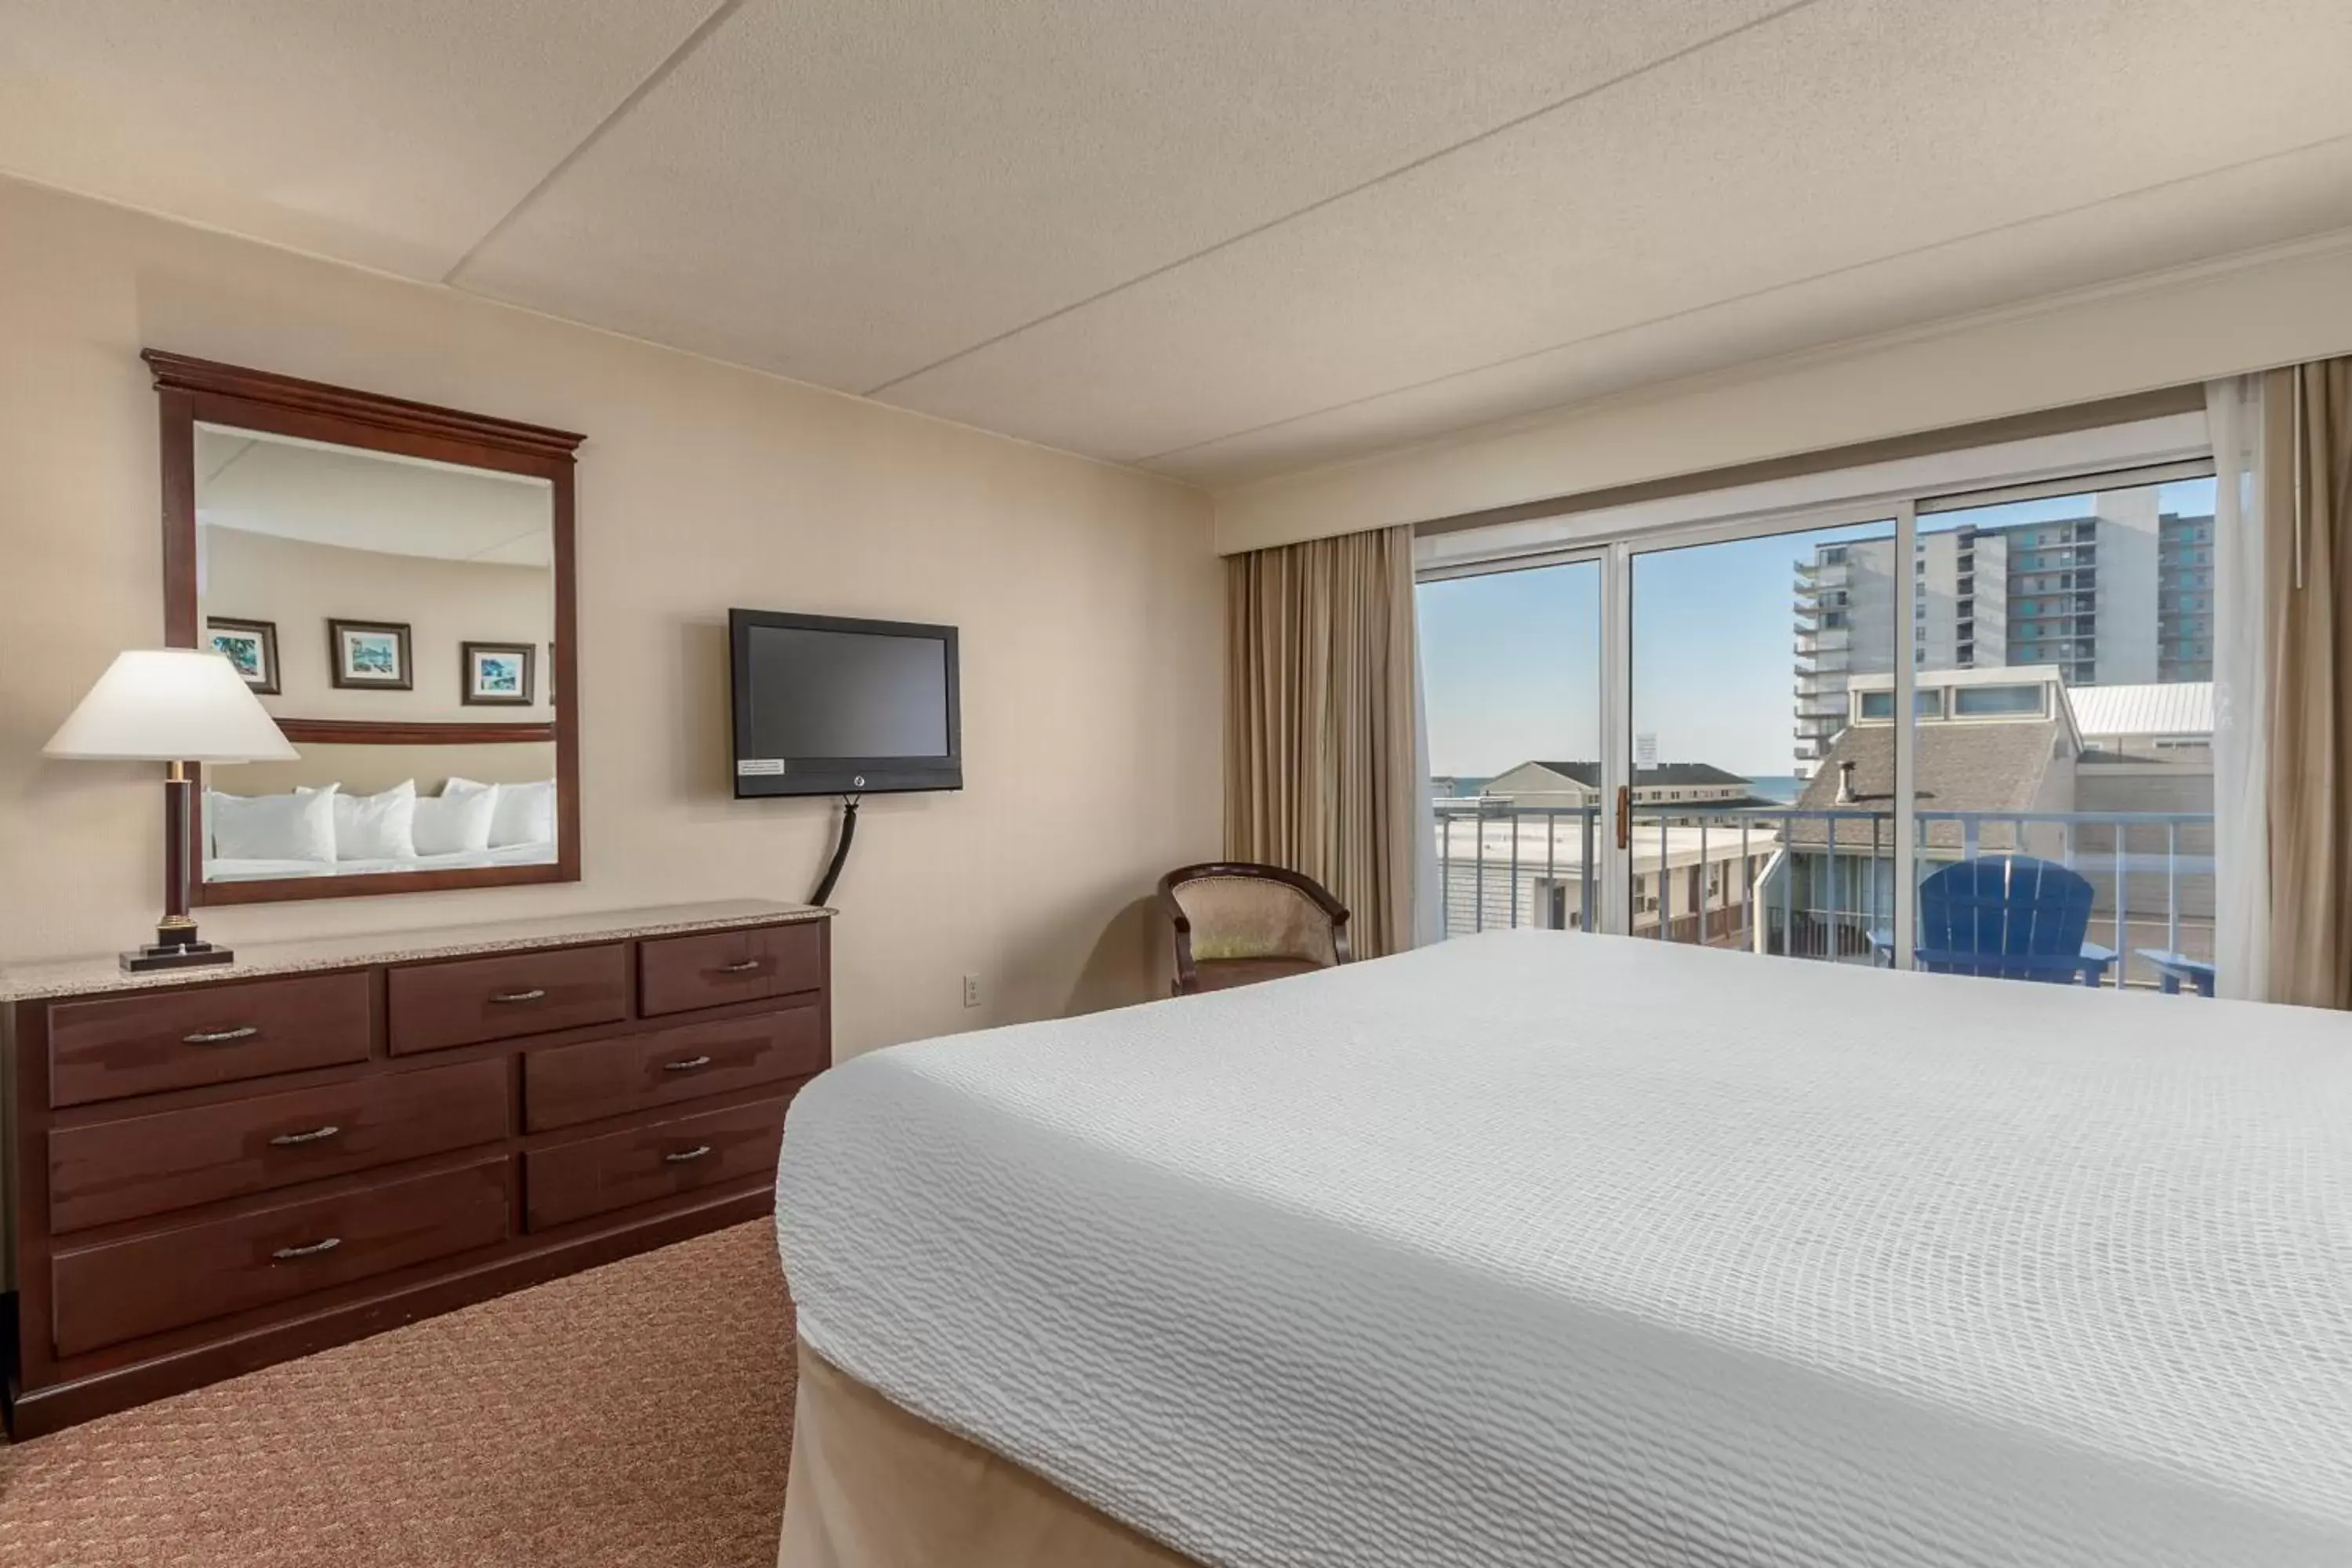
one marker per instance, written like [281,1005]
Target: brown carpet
[640,1413]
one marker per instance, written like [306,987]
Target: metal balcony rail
[1820,884]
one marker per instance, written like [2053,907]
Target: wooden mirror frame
[190,391]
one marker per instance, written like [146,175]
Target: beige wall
[1088,597]
[298,586]
[2293,304]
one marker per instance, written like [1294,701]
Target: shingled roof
[1958,767]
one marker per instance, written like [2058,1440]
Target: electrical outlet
[971,990]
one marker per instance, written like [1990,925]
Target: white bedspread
[1556,1249]
[218,870]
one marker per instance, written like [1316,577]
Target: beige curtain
[1319,722]
[2307,543]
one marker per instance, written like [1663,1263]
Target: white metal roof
[2170,707]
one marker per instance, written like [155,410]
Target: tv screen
[828,706]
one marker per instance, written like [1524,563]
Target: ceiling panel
[2272,200]
[381,502]
[1224,238]
[1848,132]
[846,193]
[391,134]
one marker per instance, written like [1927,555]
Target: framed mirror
[395,581]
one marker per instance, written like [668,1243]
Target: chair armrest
[1187,972]
[2176,967]
[1315,890]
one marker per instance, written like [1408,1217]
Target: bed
[1545,1249]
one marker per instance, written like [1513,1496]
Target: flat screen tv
[828,706]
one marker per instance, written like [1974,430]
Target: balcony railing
[1820,884]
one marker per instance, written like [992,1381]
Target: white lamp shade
[170,705]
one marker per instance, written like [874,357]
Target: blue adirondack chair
[2010,917]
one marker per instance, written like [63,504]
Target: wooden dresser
[216,1170]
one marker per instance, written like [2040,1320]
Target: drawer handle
[741,966]
[288,1140]
[219,1037]
[533,994]
[313,1249]
[683,1155]
[687,1065]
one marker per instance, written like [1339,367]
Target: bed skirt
[875,1487]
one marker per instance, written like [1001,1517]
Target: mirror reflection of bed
[347,809]
[396,615]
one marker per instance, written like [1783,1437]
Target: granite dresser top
[62,977]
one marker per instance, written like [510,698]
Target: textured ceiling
[394,133]
[371,500]
[1223,238]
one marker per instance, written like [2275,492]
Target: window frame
[2167,449]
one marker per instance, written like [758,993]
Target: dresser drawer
[675,973]
[151,1164]
[565,1085]
[435,1006]
[572,1181]
[212,1034]
[123,1289]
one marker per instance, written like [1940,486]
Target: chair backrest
[1235,915]
[2009,916]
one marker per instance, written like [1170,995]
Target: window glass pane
[1971,701]
[1717,677]
[1880,705]
[2085,669]
[1511,682]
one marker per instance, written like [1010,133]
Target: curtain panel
[1319,722]
[2307,545]
[2241,713]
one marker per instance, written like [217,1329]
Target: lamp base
[185,955]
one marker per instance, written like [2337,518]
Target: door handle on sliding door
[1624,816]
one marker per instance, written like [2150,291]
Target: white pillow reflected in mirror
[458,820]
[525,814]
[298,826]
[375,826]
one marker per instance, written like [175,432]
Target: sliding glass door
[1742,827]
[1964,730]
[1513,690]
[2064,715]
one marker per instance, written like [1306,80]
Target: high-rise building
[2124,596]
[2184,598]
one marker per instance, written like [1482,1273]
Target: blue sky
[1512,660]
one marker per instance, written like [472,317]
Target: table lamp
[177,706]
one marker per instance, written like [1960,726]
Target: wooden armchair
[1237,923]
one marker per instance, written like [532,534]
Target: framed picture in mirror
[370,653]
[427,759]
[250,645]
[497,674]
